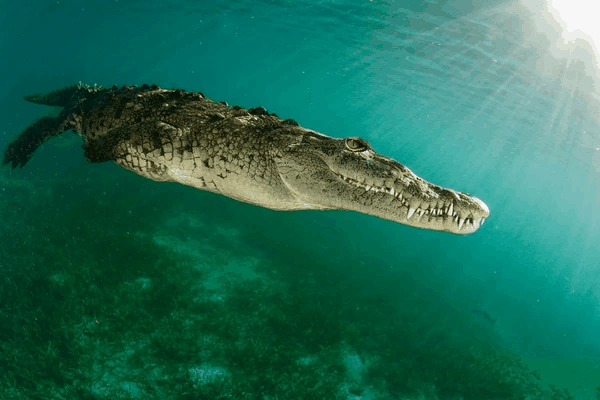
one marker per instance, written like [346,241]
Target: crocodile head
[347,174]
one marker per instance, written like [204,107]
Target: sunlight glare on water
[576,17]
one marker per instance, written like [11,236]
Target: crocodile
[249,155]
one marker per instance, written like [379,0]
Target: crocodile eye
[356,144]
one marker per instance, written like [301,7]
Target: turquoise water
[114,285]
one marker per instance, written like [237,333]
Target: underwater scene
[444,246]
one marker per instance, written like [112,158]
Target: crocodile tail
[64,97]
[21,149]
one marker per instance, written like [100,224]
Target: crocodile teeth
[460,223]
[392,191]
[477,224]
[450,209]
[411,211]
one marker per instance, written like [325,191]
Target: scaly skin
[248,155]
